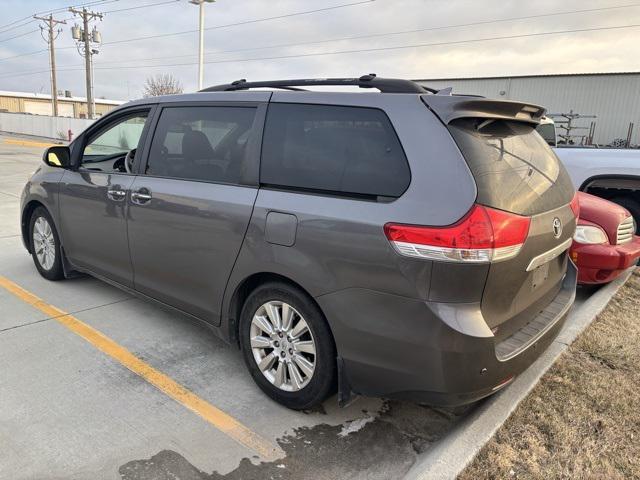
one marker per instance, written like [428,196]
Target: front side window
[201,143]
[343,150]
[107,149]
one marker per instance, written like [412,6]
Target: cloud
[612,50]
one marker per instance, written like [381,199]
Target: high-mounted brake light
[575,205]
[483,235]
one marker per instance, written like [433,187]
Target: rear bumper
[433,353]
[603,263]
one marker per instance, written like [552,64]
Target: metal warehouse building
[613,97]
[40,104]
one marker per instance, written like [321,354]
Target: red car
[604,244]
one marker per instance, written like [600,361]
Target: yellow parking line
[28,143]
[219,419]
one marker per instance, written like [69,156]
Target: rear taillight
[575,205]
[483,235]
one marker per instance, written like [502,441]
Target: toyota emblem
[557,227]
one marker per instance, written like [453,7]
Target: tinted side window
[115,140]
[338,149]
[201,143]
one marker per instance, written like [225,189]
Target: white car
[610,173]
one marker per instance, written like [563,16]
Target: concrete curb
[448,457]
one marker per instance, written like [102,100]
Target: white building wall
[614,98]
[42,126]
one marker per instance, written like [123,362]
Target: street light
[201,51]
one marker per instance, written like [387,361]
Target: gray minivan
[403,243]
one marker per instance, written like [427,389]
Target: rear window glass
[344,150]
[514,168]
[548,132]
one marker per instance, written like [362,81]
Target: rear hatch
[515,171]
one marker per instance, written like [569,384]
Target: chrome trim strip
[625,231]
[549,255]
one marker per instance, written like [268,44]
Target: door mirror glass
[57,156]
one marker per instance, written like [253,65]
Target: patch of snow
[354,425]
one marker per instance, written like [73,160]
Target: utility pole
[50,25]
[84,38]
[201,3]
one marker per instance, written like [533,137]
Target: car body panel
[400,347]
[184,241]
[602,263]
[511,293]
[41,188]
[587,164]
[93,226]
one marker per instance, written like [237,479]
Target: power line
[18,36]
[22,55]
[3,30]
[363,50]
[421,45]
[141,6]
[383,34]
[246,22]
[57,10]
[69,18]
[357,37]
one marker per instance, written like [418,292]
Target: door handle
[116,193]
[141,196]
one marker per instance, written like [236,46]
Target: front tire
[287,346]
[45,245]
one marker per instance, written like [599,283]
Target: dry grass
[583,419]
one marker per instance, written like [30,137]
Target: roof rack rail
[385,85]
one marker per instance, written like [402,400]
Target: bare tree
[162,84]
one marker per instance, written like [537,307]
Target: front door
[93,197]
[189,210]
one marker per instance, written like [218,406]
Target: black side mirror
[57,156]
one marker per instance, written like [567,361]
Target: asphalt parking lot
[95,383]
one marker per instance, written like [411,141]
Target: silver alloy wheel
[283,346]
[44,243]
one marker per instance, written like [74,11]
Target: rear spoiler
[451,107]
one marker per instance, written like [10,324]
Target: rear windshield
[514,168]
[548,132]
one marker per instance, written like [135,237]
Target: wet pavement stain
[381,447]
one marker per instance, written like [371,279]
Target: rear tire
[633,206]
[287,346]
[45,245]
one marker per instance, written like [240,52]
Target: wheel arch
[25,217]
[612,181]
[244,289]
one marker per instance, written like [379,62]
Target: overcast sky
[592,51]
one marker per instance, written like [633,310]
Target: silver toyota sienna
[403,243]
